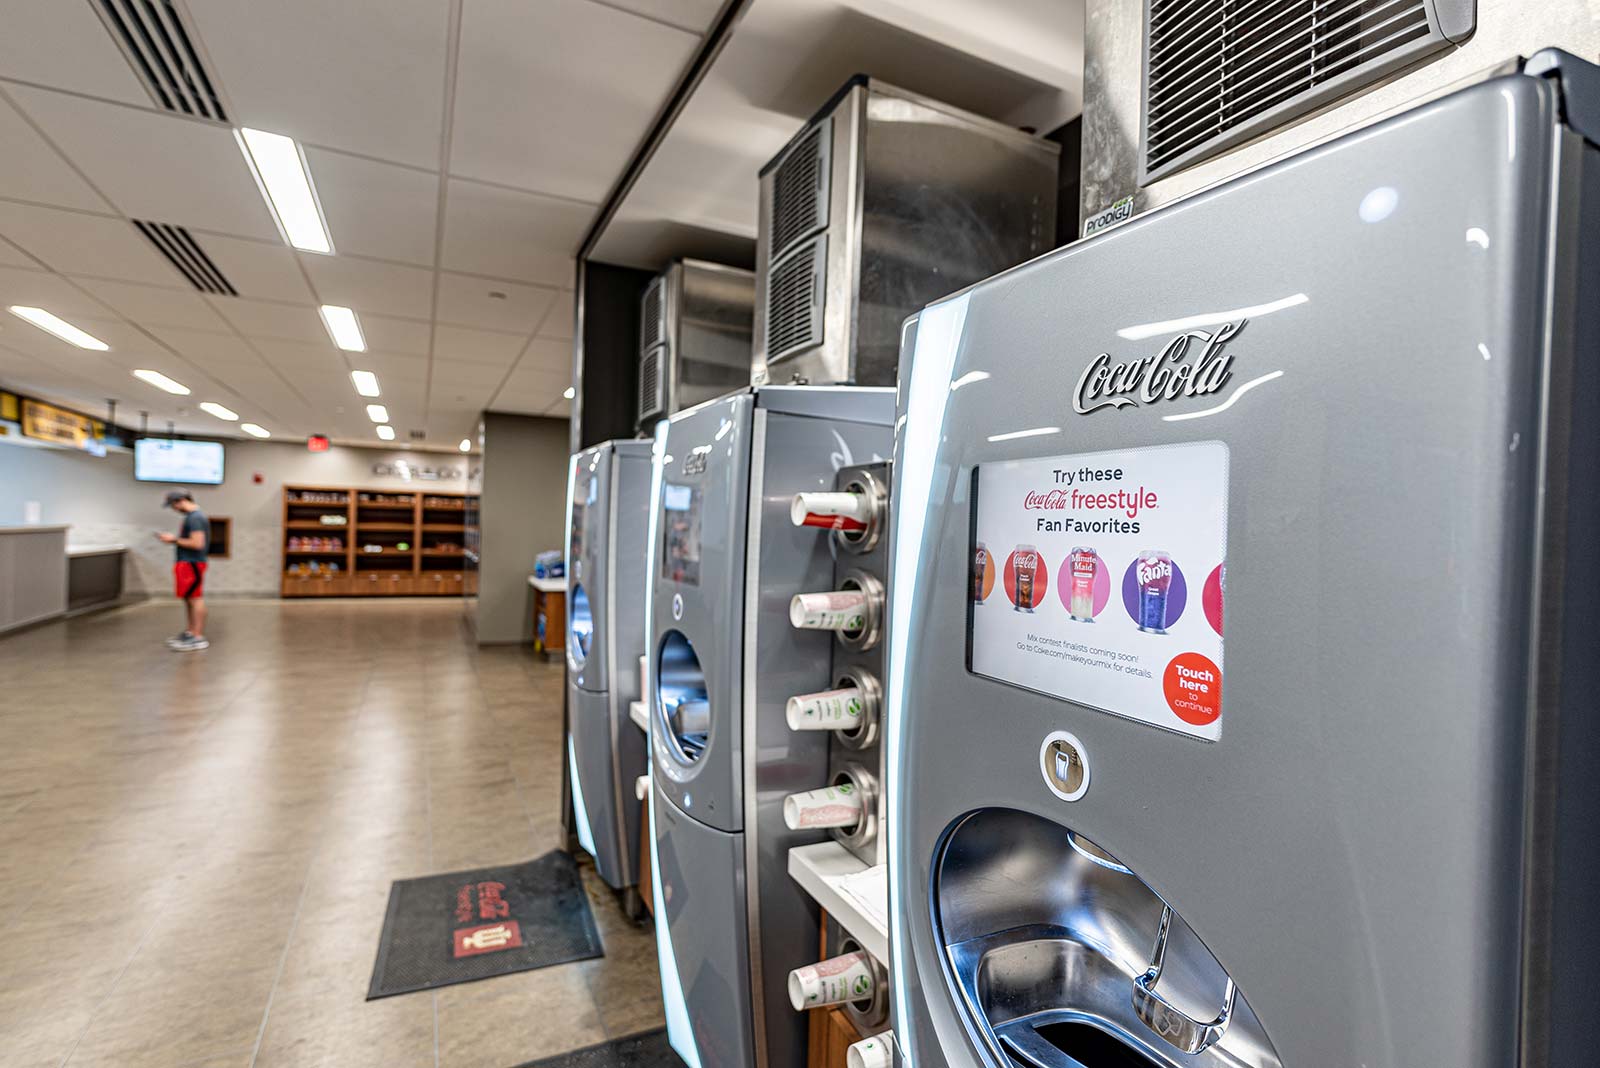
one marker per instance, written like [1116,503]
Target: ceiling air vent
[161,51]
[794,300]
[1218,72]
[184,253]
[799,205]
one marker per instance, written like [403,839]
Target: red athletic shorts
[188,578]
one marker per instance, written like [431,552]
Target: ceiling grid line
[452,59]
[538,328]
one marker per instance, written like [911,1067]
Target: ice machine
[608,509]
[1244,592]
[885,201]
[694,337]
[726,563]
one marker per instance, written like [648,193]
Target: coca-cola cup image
[982,573]
[1211,595]
[832,982]
[831,806]
[1154,591]
[1026,578]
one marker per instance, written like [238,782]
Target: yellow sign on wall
[10,409]
[49,423]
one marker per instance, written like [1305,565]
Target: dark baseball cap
[174,496]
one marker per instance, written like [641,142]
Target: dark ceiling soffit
[710,47]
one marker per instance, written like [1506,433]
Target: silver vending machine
[1327,419]
[608,508]
[727,561]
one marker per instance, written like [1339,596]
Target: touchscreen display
[1099,578]
[680,533]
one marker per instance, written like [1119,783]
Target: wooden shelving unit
[365,542]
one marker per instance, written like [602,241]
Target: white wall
[100,498]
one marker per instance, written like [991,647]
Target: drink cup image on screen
[1025,565]
[1154,574]
[980,566]
[1081,602]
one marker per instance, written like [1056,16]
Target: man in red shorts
[193,542]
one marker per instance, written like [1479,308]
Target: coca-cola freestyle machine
[727,561]
[1244,601]
[608,503]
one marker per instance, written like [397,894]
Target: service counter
[33,575]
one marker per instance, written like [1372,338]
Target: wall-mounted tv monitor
[165,460]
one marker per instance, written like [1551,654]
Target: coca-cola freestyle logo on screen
[1190,365]
[1090,490]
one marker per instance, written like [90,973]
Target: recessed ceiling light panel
[377,413]
[285,180]
[344,328]
[213,408]
[386,433]
[254,431]
[161,381]
[62,329]
[366,383]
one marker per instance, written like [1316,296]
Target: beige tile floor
[196,849]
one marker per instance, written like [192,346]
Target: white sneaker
[178,639]
[191,643]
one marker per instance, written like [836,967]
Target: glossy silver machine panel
[1363,378]
[694,337]
[885,201]
[726,561]
[608,510]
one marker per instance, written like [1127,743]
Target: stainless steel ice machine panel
[1333,419]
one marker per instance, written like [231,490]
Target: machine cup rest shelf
[833,876]
[639,713]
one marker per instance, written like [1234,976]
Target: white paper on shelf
[869,890]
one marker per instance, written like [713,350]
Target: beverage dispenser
[1240,661]
[726,564]
[608,501]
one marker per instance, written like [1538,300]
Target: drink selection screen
[680,533]
[1099,578]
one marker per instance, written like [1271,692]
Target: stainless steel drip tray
[1063,957]
[1019,980]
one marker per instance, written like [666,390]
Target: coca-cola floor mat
[466,925]
[647,1050]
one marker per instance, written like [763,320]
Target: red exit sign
[317,443]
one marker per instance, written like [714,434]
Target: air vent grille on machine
[794,300]
[1218,72]
[799,205]
[184,253]
[163,56]
[653,326]
[651,402]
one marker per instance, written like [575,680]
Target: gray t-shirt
[195,520]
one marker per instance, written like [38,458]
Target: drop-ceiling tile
[206,348]
[376,209]
[32,170]
[598,75]
[548,356]
[511,234]
[392,368]
[41,289]
[462,376]
[459,344]
[557,325]
[154,165]
[469,301]
[12,256]
[65,45]
[362,75]
[319,356]
[261,319]
[262,270]
[693,16]
[74,243]
[156,305]
[387,334]
[368,286]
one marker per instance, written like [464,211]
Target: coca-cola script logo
[1190,365]
[1047,501]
